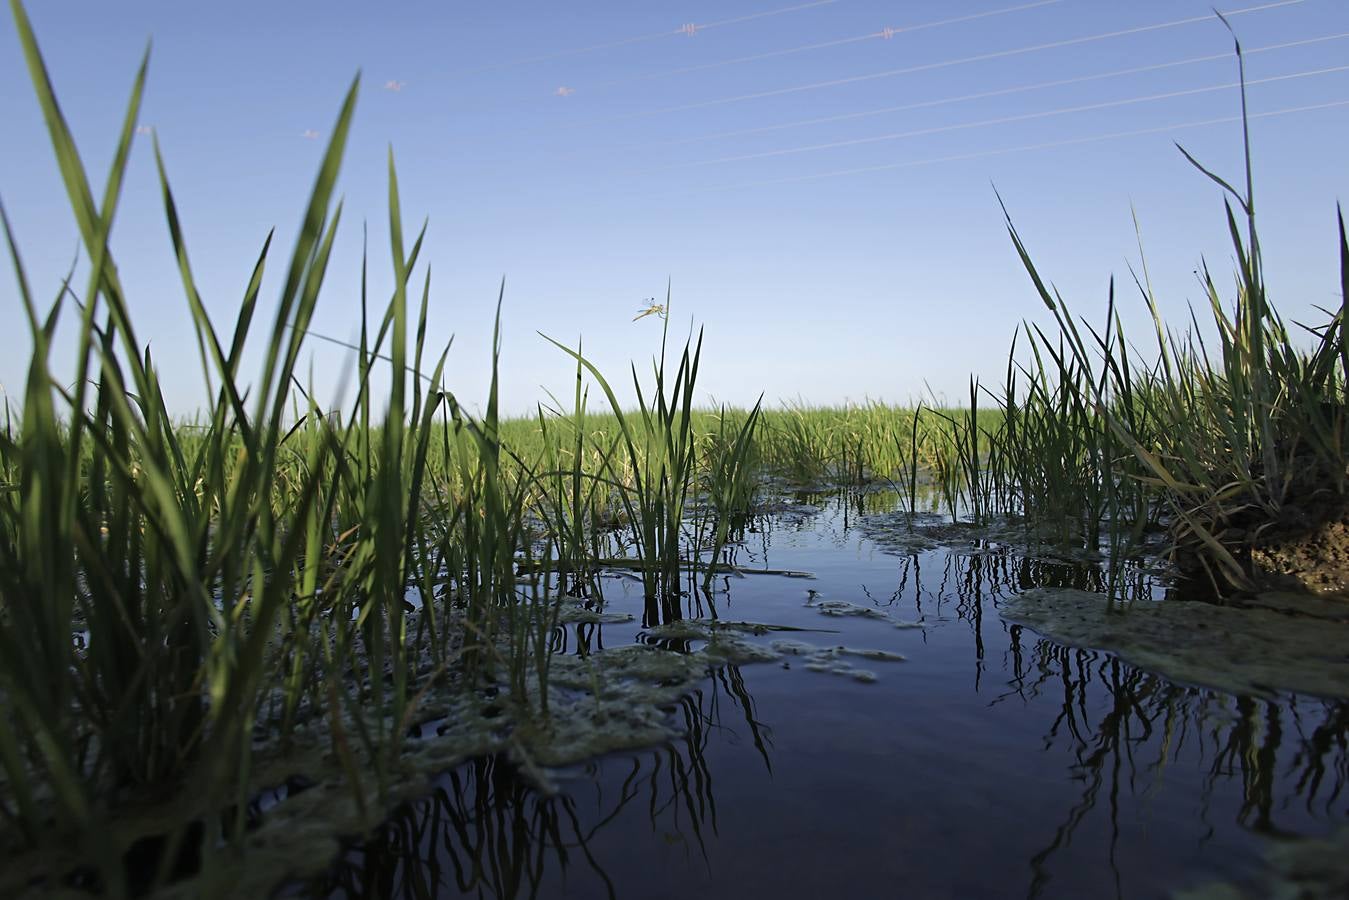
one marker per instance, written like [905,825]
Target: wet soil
[1314,558]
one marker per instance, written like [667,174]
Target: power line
[1001,120]
[759,15]
[688,29]
[1024,148]
[884,34]
[942,64]
[984,95]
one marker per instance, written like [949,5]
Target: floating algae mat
[952,715]
[1280,643]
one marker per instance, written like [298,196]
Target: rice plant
[168,592]
[660,457]
[572,495]
[733,475]
[174,556]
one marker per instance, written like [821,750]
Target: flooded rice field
[900,738]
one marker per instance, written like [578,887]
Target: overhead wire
[940,64]
[684,30]
[1002,120]
[349,345]
[1002,151]
[885,33]
[961,98]
[984,95]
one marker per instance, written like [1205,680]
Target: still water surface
[990,763]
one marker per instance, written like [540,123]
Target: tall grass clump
[170,594]
[733,474]
[1239,444]
[174,557]
[655,469]
[574,489]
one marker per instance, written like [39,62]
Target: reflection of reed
[487,832]
[1332,732]
[483,831]
[1125,727]
[1149,724]
[589,638]
[1120,731]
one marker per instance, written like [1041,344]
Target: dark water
[991,763]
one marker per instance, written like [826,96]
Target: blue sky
[818,191]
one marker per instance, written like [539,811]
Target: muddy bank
[1313,558]
[1280,646]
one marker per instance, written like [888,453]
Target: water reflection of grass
[1124,728]
[485,831]
[1124,738]
[1150,725]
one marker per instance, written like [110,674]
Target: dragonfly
[654,309]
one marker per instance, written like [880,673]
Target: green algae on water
[829,660]
[842,609]
[1258,651]
[615,700]
[578,615]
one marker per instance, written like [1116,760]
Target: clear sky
[815,180]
